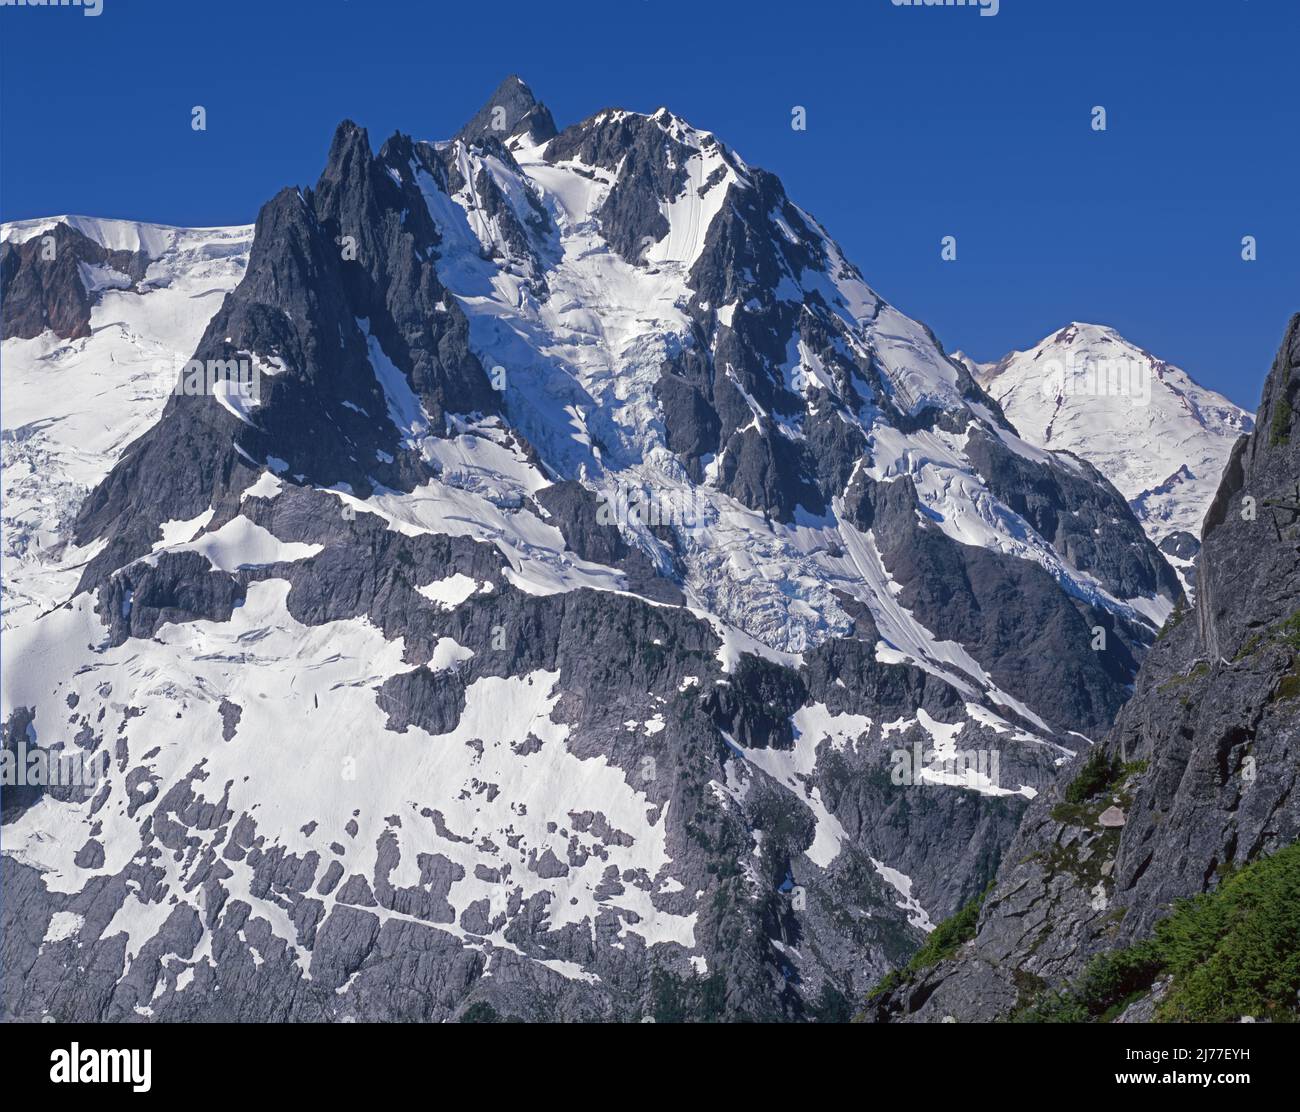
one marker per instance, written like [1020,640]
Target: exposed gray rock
[1205,758]
[42,285]
[509,112]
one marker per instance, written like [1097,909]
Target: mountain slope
[127,303]
[543,633]
[1153,432]
[1196,781]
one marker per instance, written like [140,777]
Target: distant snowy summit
[1159,437]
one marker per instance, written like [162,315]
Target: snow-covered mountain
[543,634]
[1153,432]
[71,403]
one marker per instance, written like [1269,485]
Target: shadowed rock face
[43,284]
[1209,748]
[651,167]
[510,112]
[765,863]
[336,278]
[1180,544]
[987,601]
[1183,546]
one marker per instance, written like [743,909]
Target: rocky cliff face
[602,605]
[1197,777]
[51,279]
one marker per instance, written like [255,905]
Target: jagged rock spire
[509,112]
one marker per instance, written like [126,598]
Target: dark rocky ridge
[519,113]
[361,247]
[982,599]
[1181,545]
[41,283]
[987,601]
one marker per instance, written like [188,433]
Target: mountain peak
[349,152]
[561,458]
[1091,326]
[979,371]
[1087,389]
[1085,332]
[511,111]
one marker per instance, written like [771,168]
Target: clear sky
[921,123]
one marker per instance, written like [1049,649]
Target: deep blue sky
[921,123]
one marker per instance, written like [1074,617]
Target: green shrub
[1229,953]
[1181,610]
[1289,685]
[1099,772]
[1236,951]
[1054,1007]
[1280,432]
[480,1012]
[944,941]
[1112,980]
[1200,670]
[1288,632]
[692,999]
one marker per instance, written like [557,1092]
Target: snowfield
[69,408]
[1164,441]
